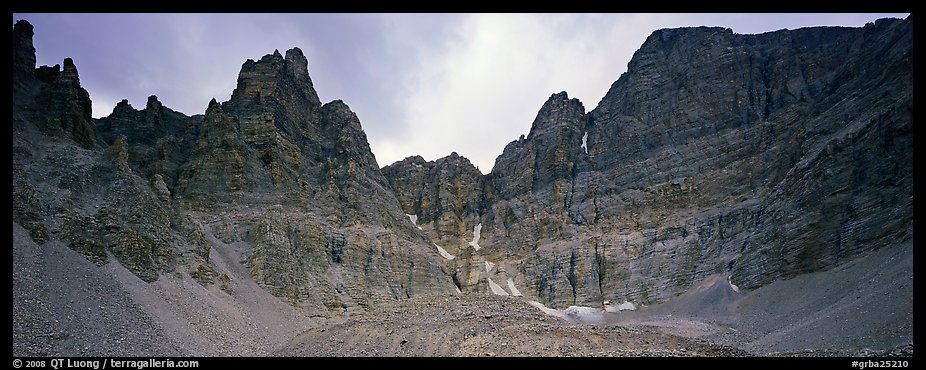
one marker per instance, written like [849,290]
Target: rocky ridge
[758,156]
[273,168]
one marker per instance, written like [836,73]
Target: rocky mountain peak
[212,103]
[22,40]
[297,62]
[61,107]
[153,103]
[457,161]
[273,77]
[550,153]
[704,119]
[445,195]
[23,54]
[559,111]
[734,160]
[413,160]
[346,118]
[69,73]
[123,104]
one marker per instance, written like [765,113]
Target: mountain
[718,177]
[760,157]
[273,168]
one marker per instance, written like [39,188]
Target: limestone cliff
[759,156]
[274,171]
[72,185]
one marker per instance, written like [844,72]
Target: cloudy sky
[426,84]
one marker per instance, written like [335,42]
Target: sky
[421,84]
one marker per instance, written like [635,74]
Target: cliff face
[296,181]
[752,154]
[51,97]
[72,185]
[758,156]
[273,174]
[23,56]
[445,195]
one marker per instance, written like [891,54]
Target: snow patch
[497,289]
[443,252]
[547,310]
[477,230]
[514,291]
[585,142]
[732,286]
[588,315]
[489,266]
[414,219]
[584,314]
[626,306]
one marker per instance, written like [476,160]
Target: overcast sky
[426,84]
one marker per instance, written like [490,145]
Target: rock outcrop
[23,56]
[342,243]
[51,97]
[758,156]
[445,195]
[67,187]
[273,169]
[144,126]
[161,138]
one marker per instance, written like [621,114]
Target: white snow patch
[489,266]
[514,291]
[588,315]
[732,286]
[585,142]
[443,252]
[547,310]
[497,289]
[608,307]
[477,230]
[414,219]
[584,314]
[626,306]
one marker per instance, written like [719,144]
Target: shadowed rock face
[50,97]
[761,156]
[83,189]
[23,56]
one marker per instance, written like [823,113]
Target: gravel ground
[64,305]
[486,325]
[861,308]
[241,320]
